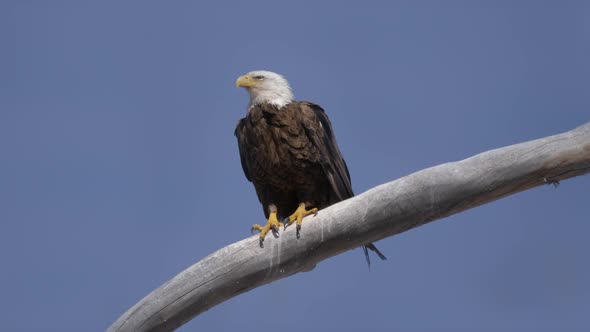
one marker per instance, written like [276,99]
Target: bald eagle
[289,152]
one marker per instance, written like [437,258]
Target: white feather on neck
[276,98]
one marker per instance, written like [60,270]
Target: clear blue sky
[119,168]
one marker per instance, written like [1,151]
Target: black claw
[275,231]
[298,228]
[260,241]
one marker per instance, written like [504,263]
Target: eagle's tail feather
[374,249]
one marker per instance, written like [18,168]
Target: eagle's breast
[282,154]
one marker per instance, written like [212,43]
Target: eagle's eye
[259,77]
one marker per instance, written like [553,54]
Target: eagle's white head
[266,87]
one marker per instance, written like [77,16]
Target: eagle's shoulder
[240,127]
[254,113]
[302,106]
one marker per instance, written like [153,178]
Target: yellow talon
[272,223]
[298,216]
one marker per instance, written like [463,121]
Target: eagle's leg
[272,223]
[298,216]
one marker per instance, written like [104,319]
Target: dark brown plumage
[291,156]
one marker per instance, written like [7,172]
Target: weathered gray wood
[383,211]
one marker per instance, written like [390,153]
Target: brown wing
[243,146]
[319,131]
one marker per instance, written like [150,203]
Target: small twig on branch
[383,211]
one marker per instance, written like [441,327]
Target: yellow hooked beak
[245,82]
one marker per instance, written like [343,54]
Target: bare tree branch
[380,212]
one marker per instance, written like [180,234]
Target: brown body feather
[291,156]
